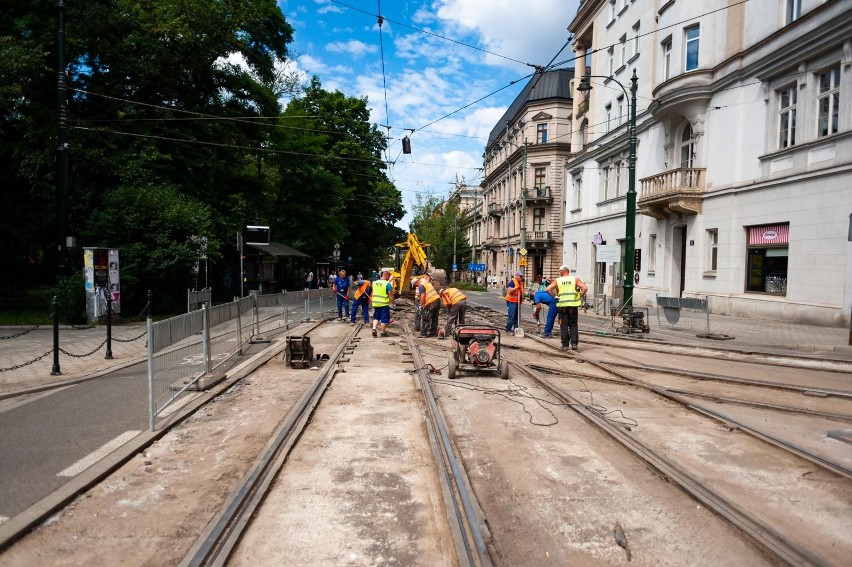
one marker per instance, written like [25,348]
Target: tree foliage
[176,129]
[439,223]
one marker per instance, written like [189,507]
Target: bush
[71,293]
[467,286]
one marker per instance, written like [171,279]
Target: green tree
[439,223]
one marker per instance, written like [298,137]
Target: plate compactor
[476,348]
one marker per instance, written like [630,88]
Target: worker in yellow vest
[382,299]
[456,303]
[569,292]
[429,303]
[418,312]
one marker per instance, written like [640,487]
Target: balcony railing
[583,107]
[493,242]
[539,195]
[539,236]
[678,190]
[494,209]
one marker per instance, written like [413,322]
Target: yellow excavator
[409,254]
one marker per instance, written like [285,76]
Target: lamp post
[630,224]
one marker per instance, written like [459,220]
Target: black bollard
[108,355]
[55,371]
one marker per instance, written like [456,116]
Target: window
[687,147]
[611,54]
[540,178]
[692,41]
[652,253]
[573,253]
[767,258]
[611,10]
[828,102]
[794,10]
[584,126]
[541,133]
[712,249]
[617,181]
[605,183]
[608,109]
[635,39]
[620,101]
[623,47]
[787,118]
[578,184]
[538,219]
[667,59]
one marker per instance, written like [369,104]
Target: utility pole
[508,201]
[524,208]
[62,148]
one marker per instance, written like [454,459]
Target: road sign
[337,246]
[476,267]
[336,254]
[523,251]
[455,267]
[522,261]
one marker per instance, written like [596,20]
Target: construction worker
[430,304]
[514,297]
[456,303]
[418,312]
[361,295]
[382,299]
[544,297]
[340,286]
[569,296]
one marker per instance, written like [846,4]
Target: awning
[277,249]
[769,235]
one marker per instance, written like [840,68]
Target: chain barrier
[97,348]
[21,365]
[145,332]
[30,330]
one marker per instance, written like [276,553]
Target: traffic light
[406,145]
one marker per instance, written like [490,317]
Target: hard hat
[564,267]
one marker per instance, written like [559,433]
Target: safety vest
[568,296]
[513,294]
[451,296]
[361,290]
[380,293]
[429,295]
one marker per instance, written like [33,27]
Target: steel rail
[222,534]
[704,395]
[463,510]
[764,535]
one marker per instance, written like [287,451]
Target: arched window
[584,125]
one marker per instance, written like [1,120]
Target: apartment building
[744,153]
[524,180]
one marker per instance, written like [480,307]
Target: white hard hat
[564,267]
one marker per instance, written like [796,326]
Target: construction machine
[410,254]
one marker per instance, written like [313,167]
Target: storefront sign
[769,235]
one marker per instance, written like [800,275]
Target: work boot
[385,335]
[374,333]
[575,347]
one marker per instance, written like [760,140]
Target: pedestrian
[363,291]
[544,297]
[309,279]
[456,303]
[430,304]
[514,297]
[340,287]
[382,298]
[569,296]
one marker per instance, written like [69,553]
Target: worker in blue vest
[544,297]
[569,292]
[340,286]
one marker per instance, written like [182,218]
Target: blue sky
[426,77]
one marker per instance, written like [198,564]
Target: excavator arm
[415,255]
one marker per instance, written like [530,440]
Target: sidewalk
[18,351]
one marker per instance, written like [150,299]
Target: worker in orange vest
[429,302]
[514,297]
[363,291]
[456,303]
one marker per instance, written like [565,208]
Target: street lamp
[630,225]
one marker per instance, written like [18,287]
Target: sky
[424,69]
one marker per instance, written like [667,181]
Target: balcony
[539,237]
[583,107]
[539,196]
[493,242]
[494,209]
[679,191]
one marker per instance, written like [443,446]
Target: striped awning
[769,235]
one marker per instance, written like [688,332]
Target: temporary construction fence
[184,349]
[692,313]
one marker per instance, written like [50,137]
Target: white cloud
[325,7]
[353,47]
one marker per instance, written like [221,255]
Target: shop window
[767,259]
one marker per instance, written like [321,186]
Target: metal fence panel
[684,313]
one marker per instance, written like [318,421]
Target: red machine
[477,348]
